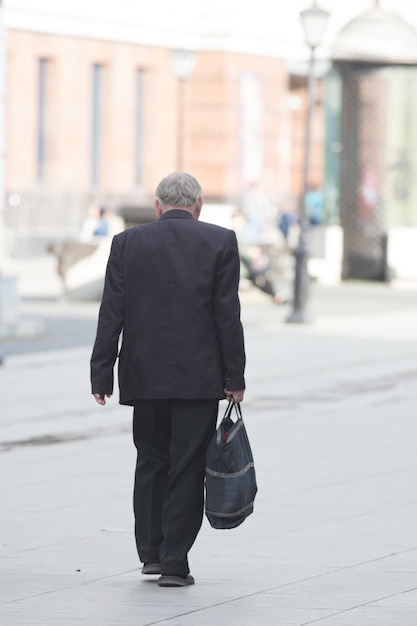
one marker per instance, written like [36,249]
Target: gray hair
[178,190]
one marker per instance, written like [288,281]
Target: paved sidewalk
[331,413]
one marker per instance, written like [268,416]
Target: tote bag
[230,473]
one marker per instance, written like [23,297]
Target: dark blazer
[171,289]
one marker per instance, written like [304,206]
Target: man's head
[179,191]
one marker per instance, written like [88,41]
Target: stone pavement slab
[330,411]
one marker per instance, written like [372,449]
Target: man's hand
[100,399]
[236,395]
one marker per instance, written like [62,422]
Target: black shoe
[167,580]
[151,568]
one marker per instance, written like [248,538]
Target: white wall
[402,252]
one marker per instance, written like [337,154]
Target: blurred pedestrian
[96,223]
[287,219]
[255,265]
[171,289]
[102,226]
[314,203]
[90,223]
[259,272]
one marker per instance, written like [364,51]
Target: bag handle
[229,410]
[238,410]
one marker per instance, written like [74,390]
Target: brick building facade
[90,119]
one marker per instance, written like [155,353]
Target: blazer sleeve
[110,324]
[227,315]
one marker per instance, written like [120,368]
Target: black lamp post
[182,63]
[314,22]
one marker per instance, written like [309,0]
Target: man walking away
[171,290]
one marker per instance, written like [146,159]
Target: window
[97,80]
[43,79]
[139,126]
[252,118]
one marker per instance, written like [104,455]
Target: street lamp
[182,64]
[314,21]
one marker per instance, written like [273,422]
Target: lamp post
[182,64]
[314,21]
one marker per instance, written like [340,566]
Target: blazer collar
[176,213]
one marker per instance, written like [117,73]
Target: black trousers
[171,438]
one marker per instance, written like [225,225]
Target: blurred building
[92,116]
[371,179]
[98,119]
[92,108]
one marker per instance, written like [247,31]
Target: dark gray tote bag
[230,473]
